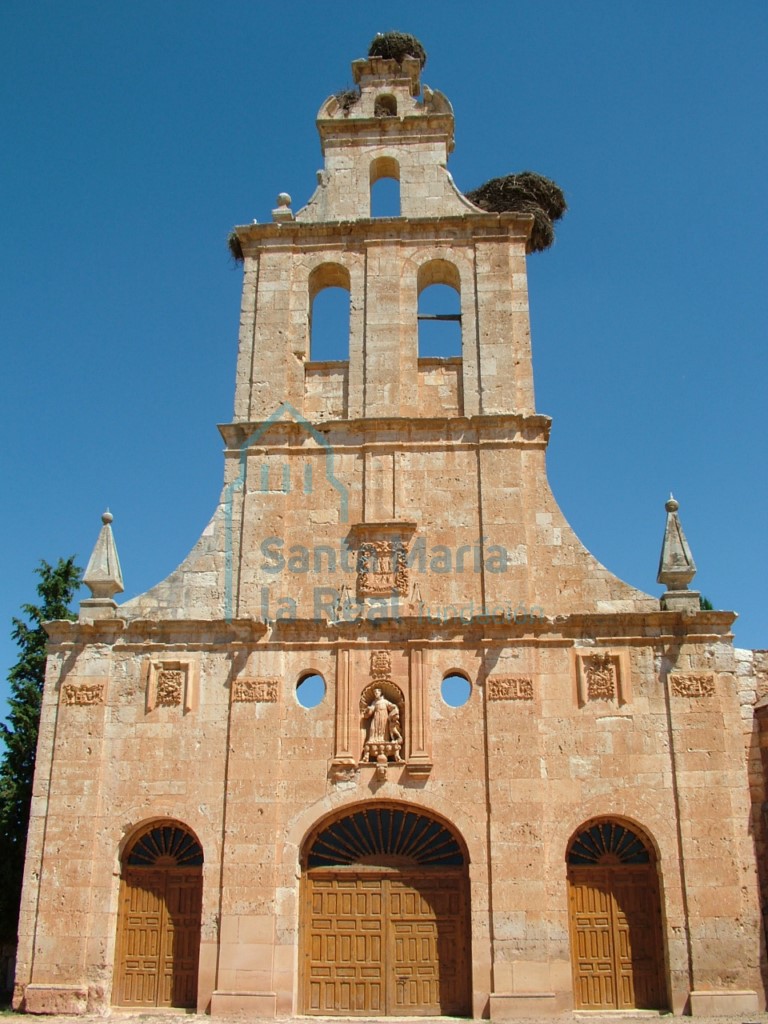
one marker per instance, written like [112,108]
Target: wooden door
[158,941]
[616,938]
[391,944]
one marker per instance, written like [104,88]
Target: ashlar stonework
[585,831]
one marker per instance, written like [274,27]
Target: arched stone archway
[617,949]
[158,925]
[385,915]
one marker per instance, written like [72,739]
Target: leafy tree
[57,586]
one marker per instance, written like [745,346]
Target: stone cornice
[454,230]
[513,429]
[208,633]
[651,628]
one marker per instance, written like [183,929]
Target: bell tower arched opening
[385,187]
[385,915]
[329,313]
[439,312]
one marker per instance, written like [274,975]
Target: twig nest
[235,248]
[526,192]
[397,46]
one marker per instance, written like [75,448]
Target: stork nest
[235,248]
[397,46]
[526,192]
[347,98]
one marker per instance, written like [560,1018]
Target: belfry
[390,741]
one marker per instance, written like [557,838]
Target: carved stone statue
[384,740]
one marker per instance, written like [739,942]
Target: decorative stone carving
[82,693]
[381,665]
[381,708]
[255,691]
[691,685]
[510,688]
[170,684]
[602,675]
[382,569]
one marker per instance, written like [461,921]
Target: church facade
[391,741]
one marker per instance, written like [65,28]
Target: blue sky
[136,135]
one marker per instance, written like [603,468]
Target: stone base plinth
[242,1004]
[65,999]
[737,1002]
[509,1005]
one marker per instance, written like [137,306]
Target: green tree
[57,586]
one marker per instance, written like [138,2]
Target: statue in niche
[381,707]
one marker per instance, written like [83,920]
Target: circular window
[456,690]
[310,690]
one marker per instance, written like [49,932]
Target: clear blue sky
[135,135]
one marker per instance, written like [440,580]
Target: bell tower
[390,126]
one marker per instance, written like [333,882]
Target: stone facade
[385,523]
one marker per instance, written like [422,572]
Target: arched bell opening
[385,915]
[617,946]
[159,916]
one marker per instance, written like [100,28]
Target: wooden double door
[616,937]
[390,943]
[158,939]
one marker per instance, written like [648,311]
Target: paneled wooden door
[385,943]
[158,939]
[616,937]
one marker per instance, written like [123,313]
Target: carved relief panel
[171,684]
[701,684]
[83,694]
[602,675]
[510,688]
[255,691]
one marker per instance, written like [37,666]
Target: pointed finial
[676,565]
[103,575]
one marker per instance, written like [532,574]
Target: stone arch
[615,920]
[384,167]
[385,913]
[438,271]
[157,947]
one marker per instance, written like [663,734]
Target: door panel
[158,941]
[410,950]
[616,938]
[345,971]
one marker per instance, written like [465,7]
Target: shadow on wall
[7,971]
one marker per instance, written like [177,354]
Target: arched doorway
[158,924]
[385,916]
[617,947]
